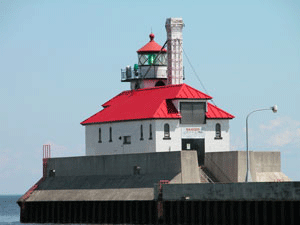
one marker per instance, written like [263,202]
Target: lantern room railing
[129,74]
[156,72]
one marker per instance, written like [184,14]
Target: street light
[248,173]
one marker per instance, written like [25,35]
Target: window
[192,112]
[127,140]
[142,134]
[218,131]
[152,59]
[150,132]
[166,132]
[110,134]
[100,138]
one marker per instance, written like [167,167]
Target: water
[9,209]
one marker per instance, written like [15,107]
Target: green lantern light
[136,66]
[151,58]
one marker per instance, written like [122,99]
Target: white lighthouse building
[160,113]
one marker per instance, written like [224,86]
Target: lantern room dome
[151,36]
[151,46]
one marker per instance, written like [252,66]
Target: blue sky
[60,60]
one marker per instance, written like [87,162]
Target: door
[197,145]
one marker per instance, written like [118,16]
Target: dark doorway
[159,83]
[195,144]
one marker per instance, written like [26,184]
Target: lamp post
[248,174]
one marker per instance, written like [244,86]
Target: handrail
[219,168]
[205,176]
[132,76]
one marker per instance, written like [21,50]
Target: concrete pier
[128,189]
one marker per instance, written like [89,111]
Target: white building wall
[217,145]
[154,71]
[165,145]
[119,129]
[150,83]
[208,132]
[146,83]
[158,143]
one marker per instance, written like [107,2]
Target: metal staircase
[206,176]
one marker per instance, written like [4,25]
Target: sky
[60,60]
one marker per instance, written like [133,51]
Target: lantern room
[152,54]
[151,69]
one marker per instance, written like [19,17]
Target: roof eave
[222,118]
[190,99]
[152,51]
[115,121]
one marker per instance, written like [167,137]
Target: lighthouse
[159,113]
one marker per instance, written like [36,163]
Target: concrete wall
[259,162]
[231,166]
[285,191]
[189,167]
[112,177]
[223,165]
[177,166]
[110,165]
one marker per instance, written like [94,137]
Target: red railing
[160,207]
[46,151]
[29,192]
[160,183]
[46,156]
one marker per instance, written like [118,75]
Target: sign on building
[192,132]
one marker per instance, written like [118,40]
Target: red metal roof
[150,103]
[213,112]
[151,46]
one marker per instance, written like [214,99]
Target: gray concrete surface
[271,177]
[259,191]
[119,194]
[103,182]
[162,164]
[189,167]
[231,166]
[223,165]
[261,162]
[116,164]
[114,176]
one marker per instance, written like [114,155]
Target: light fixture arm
[248,173]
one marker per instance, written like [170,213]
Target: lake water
[9,209]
